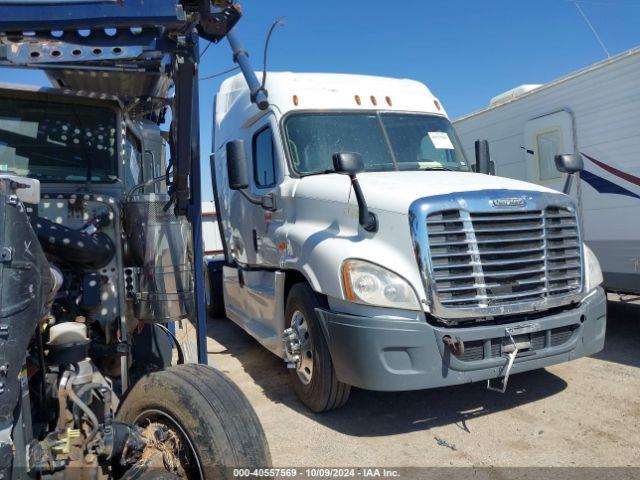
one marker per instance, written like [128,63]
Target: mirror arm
[254,201]
[567,184]
[250,198]
[148,183]
[366,218]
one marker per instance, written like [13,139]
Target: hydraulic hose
[62,402]
[84,407]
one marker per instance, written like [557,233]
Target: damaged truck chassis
[101,248]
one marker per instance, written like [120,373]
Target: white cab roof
[321,91]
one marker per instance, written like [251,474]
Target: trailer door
[545,137]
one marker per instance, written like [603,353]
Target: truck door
[251,221]
[545,137]
[251,286]
[266,175]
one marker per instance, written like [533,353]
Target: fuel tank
[160,285]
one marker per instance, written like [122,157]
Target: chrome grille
[496,258]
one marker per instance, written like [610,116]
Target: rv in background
[594,112]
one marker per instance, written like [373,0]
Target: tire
[320,391]
[219,426]
[215,306]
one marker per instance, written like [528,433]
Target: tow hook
[455,345]
[511,356]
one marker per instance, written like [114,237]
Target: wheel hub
[298,349]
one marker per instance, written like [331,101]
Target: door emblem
[509,202]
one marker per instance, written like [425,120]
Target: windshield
[57,142]
[386,141]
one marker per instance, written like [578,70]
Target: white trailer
[594,112]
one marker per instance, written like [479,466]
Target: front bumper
[393,355]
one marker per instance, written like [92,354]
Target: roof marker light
[437,104]
[357,97]
[389,102]
[295,100]
[374,101]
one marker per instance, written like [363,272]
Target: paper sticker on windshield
[441,140]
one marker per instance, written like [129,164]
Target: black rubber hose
[74,246]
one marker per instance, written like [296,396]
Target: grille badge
[509,202]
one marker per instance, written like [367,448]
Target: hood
[396,191]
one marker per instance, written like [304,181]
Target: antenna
[595,33]
[277,23]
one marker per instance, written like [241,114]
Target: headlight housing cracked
[370,284]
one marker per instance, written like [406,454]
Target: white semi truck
[360,248]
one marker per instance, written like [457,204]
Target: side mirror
[350,163]
[237,168]
[569,163]
[483,157]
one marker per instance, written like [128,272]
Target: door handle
[255,239]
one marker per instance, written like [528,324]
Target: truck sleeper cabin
[361,248]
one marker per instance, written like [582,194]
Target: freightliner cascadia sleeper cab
[361,248]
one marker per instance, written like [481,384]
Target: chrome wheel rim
[304,368]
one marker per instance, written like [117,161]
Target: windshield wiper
[322,172]
[445,169]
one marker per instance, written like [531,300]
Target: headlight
[593,272]
[367,283]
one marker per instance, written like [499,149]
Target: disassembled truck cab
[98,234]
[394,267]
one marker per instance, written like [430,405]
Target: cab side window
[264,159]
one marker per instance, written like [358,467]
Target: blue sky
[466,51]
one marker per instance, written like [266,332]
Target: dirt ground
[582,413]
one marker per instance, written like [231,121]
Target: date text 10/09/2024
[320,473]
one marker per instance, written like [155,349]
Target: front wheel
[200,425]
[314,378]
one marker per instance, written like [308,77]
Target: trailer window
[548,144]
[56,142]
[264,161]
